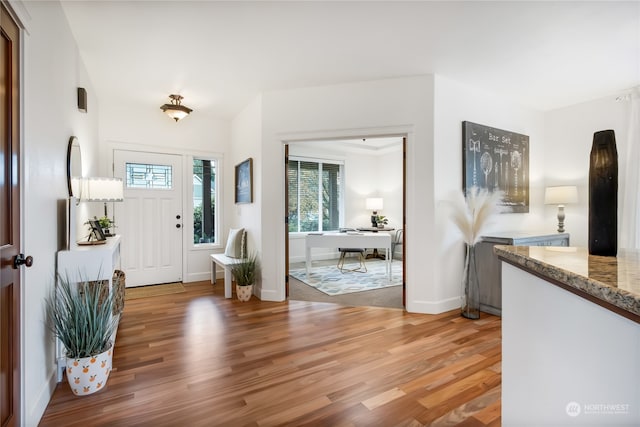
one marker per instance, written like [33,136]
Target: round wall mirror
[74,166]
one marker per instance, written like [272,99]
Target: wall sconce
[375,204]
[175,109]
[560,196]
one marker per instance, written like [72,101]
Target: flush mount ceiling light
[176,110]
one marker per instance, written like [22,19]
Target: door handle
[20,259]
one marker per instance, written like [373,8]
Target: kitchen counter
[570,337]
[611,282]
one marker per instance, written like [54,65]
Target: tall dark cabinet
[489,267]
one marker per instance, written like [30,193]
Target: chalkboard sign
[497,160]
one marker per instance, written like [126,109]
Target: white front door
[150,218]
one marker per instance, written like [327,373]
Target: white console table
[95,262]
[349,240]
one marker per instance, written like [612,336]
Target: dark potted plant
[80,316]
[245,272]
[381,221]
[106,223]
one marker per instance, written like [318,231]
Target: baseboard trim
[197,277]
[267,295]
[433,307]
[35,413]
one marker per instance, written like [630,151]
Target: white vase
[244,292]
[87,375]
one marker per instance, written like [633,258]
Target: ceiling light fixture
[176,110]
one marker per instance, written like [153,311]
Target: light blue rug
[331,281]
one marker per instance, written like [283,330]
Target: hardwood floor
[197,359]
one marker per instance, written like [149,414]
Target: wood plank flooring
[198,359]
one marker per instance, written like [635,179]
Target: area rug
[331,281]
[153,290]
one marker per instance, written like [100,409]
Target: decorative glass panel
[204,201]
[157,177]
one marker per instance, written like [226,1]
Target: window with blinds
[315,195]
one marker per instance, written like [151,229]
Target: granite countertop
[613,282]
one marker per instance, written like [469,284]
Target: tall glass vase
[470,286]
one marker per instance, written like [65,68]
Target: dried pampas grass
[472,215]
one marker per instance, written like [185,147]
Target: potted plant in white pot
[245,272]
[80,315]
[106,224]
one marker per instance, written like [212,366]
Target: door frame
[16,124]
[404,134]
[177,192]
[187,210]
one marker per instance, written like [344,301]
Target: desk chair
[362,267]
[398,239]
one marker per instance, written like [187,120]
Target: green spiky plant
[80,315]
[381,219]
[245,271]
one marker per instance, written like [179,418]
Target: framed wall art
[244,181]
[497,160]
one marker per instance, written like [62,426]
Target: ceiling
[219,55]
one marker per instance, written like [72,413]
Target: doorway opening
[339,193]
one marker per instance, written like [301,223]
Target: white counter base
[559,349]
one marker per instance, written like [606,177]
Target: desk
[375,253]
[349,240]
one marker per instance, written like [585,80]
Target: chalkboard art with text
[497,160]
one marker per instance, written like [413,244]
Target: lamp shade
[374,203]
[99,189]
[561,195]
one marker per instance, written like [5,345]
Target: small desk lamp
[375,204]
[560,196]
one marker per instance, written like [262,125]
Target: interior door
[9,222]
[150,218]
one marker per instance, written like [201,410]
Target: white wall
[144,127]
[567,144]
[393,106]
[245,143]
[455,103]
[51,74]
